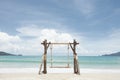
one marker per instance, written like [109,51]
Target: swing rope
[68,57]
[51,56]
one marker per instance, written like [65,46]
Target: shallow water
[112,62]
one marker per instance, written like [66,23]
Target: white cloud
[106,45]
[8,38]
[55,36]
[19,43]
[50,34]
[8,42]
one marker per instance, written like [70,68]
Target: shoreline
[57,70]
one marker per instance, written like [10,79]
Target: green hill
[113,54]
[6,54]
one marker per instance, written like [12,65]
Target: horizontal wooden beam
[60,43]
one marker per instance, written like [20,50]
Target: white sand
[58,74]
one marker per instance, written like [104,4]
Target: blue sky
[94,23]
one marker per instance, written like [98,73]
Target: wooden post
[76,65]
[74,52]
[46,45]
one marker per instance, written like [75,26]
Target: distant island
[8,54]
[113,54]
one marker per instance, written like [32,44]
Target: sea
[92,62]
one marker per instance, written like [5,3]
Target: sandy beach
[60,76]
[31,74]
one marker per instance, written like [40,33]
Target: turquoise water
[111,62]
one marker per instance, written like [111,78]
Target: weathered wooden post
[74,53]
[76,65]
[46,45]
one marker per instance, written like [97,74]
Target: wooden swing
[68,57]
[44,60]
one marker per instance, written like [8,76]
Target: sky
[95,24]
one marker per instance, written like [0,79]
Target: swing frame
[73,47]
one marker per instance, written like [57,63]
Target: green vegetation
[8,54]
[113,54]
